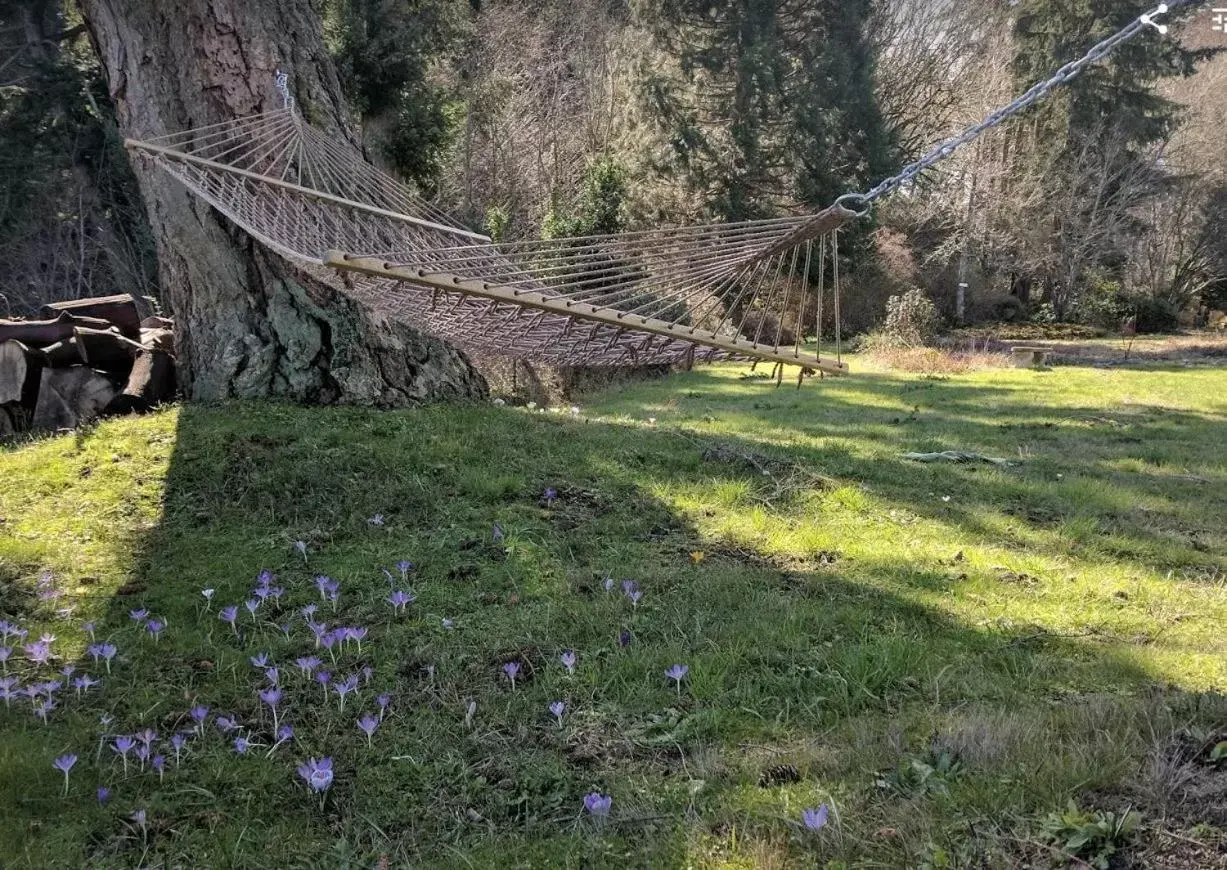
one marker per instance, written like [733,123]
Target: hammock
[696,293]
[705,292]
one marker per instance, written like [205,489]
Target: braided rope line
[1033,95]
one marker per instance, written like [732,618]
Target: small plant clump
[1091,837]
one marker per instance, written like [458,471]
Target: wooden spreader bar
[578,310]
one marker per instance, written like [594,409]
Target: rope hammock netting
[684,294]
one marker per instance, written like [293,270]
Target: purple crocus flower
[284,733]
[318,774]
[64,764]
[253,604]
[84,683]
[155,627]
[138,615]
[356,634]
[384,701]
[147,736]
[550,496]
[108,651]
[307,664]
[677,673]
[123,745]
[344,688]
[177,742]
[272,697]
[7,690]
[323,584]
[404,566]
[241,745]
[142,755]
[629,586]
[199,714]
[208,596]
[6,653]
[273,675]
[558,708]
[259,661]
[88,628]
[230,615]
[301,547]
[308,611]
[512,669]
[448,624]
[815,819]
[322,677]
[225,724]
[569,659]
[38,652]
[368,725]
[625,638]
[609,583]
[635,596]
[265,577]
[376,520]
[104,794]
[43,710]
[48,689]
[68,670]
[158,763]
[399,600]
[598,804]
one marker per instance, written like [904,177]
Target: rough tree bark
[249,325]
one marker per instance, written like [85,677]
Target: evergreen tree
[765,103]
[384,51]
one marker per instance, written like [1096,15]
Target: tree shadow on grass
[1071,462]
[784,651]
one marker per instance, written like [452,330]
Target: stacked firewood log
[83,359]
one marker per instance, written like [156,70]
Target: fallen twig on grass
[956,456]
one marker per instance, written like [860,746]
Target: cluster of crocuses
[152,625]
[261,594]
[45,682]
[49,593]
[144,752]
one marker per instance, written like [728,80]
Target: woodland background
[550,118]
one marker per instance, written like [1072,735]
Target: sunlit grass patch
[917,646]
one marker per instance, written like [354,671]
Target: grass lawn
[945,655]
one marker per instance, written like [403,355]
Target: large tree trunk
[250,325]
